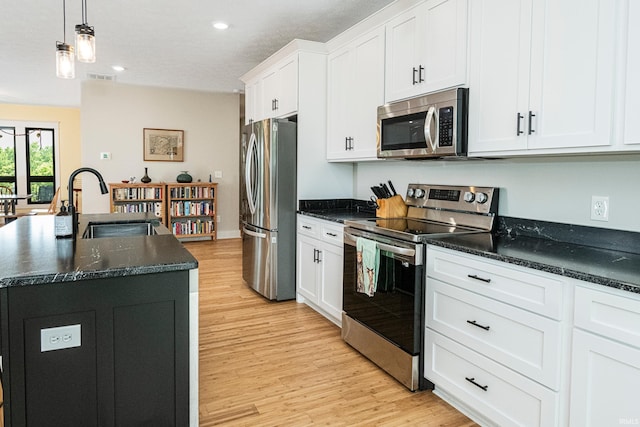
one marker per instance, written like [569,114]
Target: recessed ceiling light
[220,25]
[118,68]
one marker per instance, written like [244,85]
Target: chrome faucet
[72,209]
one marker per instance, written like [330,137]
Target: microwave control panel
[445,131]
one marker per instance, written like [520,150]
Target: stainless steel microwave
[428,126]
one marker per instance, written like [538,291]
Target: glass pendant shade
[85,43]
[65,61]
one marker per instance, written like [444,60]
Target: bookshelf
[139,197]
[191,209]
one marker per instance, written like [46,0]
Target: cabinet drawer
[610,314]
[499,394]
[518,286]
[523,341]
[309,227]
[333,234]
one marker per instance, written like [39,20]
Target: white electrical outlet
[60,337]
[105,156]
[218,218]
[600,208]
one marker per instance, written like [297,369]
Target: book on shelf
[193,227]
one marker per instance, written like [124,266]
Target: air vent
[105,77]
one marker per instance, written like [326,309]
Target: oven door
[394,310]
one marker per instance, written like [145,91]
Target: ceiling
[163,43]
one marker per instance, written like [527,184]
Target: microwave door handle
[431,115]
[248,181]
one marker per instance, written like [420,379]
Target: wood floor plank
[268,363]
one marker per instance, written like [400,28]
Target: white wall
[548,188]
[113,117]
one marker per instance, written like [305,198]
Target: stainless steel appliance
[388,326]
[268,195]
[429,126]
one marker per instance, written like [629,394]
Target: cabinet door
[443,49]
[368,94]
[604,382]
[331,281]
[252,102]
[572,73]
[340,78]
[306,271]
[287,96]
[631,130]
[499,74]
[269,83]
[401,69]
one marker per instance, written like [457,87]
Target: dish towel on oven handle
[368,263]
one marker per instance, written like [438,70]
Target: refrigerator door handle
[248,183]
[254,233]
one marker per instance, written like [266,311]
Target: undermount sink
[96,230]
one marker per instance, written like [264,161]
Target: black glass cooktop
[408,228]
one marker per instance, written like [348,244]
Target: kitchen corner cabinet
[496,338]
[541,76]
[252,106]
[319,256]
[605,369]
[355,90]
[426,49]
[192,209]
[126,198]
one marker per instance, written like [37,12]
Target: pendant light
[85,38]
[65,61]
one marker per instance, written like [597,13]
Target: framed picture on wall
[163,145]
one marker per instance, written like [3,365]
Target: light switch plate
[217,174]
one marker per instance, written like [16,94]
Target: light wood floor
[282,364]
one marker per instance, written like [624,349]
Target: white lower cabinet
[500,395]
[319,258]
[605,369]
[496,339]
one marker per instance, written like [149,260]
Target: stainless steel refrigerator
[268,207]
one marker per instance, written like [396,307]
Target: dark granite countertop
[602,256]
[337,210]
[31,255]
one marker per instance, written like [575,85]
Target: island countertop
[30,254]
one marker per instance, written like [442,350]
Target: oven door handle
[384,247]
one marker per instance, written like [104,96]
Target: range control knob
[419,193]
[482,198]
[410,192]
[469,197]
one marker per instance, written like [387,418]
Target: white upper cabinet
[355,90]
[426,49]
[252,105]
[541,76]
[280,88]
[631,89]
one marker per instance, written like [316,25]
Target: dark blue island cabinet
[130,369]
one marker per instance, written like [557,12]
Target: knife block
[393,207]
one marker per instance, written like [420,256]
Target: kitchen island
[97,331]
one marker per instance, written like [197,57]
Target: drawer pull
[473,322]
[332,234]
[472,381]
[482,279]
[306,227]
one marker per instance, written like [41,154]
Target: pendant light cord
[64,21]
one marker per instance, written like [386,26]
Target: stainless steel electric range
[387,327]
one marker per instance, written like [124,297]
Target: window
[29,159]
[8,158]
[40,164]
